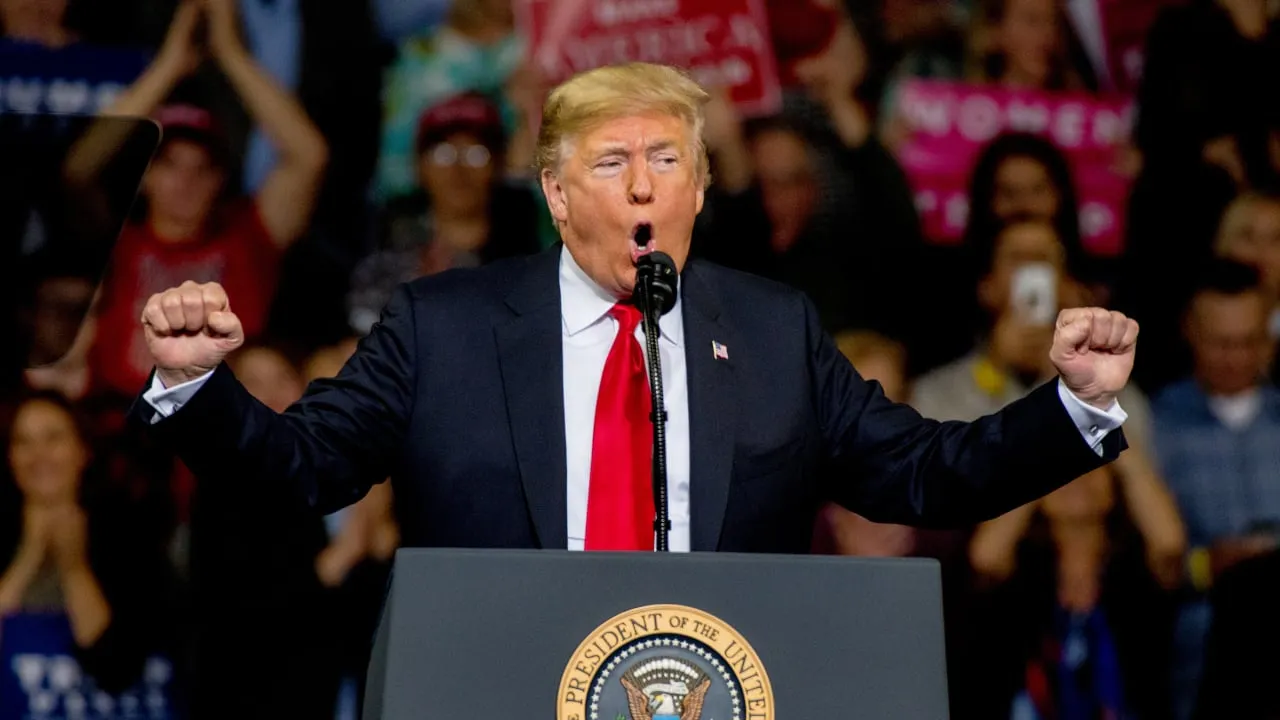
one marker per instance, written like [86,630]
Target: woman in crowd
[463,212]
[1017,175]
[72,551]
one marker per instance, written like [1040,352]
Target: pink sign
[722,43]
[949,123]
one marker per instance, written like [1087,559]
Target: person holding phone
[1084,562]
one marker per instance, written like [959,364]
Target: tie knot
[628,317]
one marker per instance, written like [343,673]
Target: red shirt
[236,251]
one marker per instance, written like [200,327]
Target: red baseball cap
[195,124]
[469,112]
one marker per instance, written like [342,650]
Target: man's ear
[557,203]
[702,196]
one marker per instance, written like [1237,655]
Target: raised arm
[288,195]
[907,469]
[178,57]
[331,446]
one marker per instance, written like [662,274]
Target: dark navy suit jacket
[457,396]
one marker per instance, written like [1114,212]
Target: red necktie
[620,502]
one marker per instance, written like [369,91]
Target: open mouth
[641,241]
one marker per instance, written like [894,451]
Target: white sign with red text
[722,43]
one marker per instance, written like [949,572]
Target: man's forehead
[635,132]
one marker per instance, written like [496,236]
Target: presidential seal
[665,662]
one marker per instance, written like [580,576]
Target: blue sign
[79,79]
[41,680]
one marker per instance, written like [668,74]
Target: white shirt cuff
[1094,424]
[168,401]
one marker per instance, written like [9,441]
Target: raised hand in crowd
[726,143]
[833,77]
[287,197]
[526,90]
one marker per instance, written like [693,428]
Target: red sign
[722,43]
[950,123]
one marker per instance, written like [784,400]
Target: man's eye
[668,160]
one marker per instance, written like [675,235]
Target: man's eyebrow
[616,149]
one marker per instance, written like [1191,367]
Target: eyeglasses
[448,155]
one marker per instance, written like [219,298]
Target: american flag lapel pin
[719,351]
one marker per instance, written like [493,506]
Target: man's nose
[640,187]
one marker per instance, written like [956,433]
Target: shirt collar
[583,303]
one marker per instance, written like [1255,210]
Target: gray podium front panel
[490,633]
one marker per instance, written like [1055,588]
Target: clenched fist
[189,330]
[1093,352]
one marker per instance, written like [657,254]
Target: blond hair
[588,99]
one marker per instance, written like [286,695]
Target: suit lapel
[531,357]
[712,407]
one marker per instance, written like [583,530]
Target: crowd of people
[317,155]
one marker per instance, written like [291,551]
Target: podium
[658,636]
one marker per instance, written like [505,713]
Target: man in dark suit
[509,404]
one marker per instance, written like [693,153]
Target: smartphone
[1034,293]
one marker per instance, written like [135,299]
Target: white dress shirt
[587,333]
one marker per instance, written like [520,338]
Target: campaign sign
[722,43]
[949,123]
[40,680]
[80,79]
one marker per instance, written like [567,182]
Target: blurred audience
[254,582]
[1250,234]
[1071,609]
[1215,438]
[1026,282]
[847,243]
[1240,666]
[1087,604]
[463,213]
[1207,131]
[355,565]
[840,531]
[1017,175]
[1026,44]
[475,50]
[192,225]
[74,558]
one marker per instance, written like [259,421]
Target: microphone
[655,295]
[656,281]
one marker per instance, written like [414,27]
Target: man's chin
[626,284]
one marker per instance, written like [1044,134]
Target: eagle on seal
[662,703]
